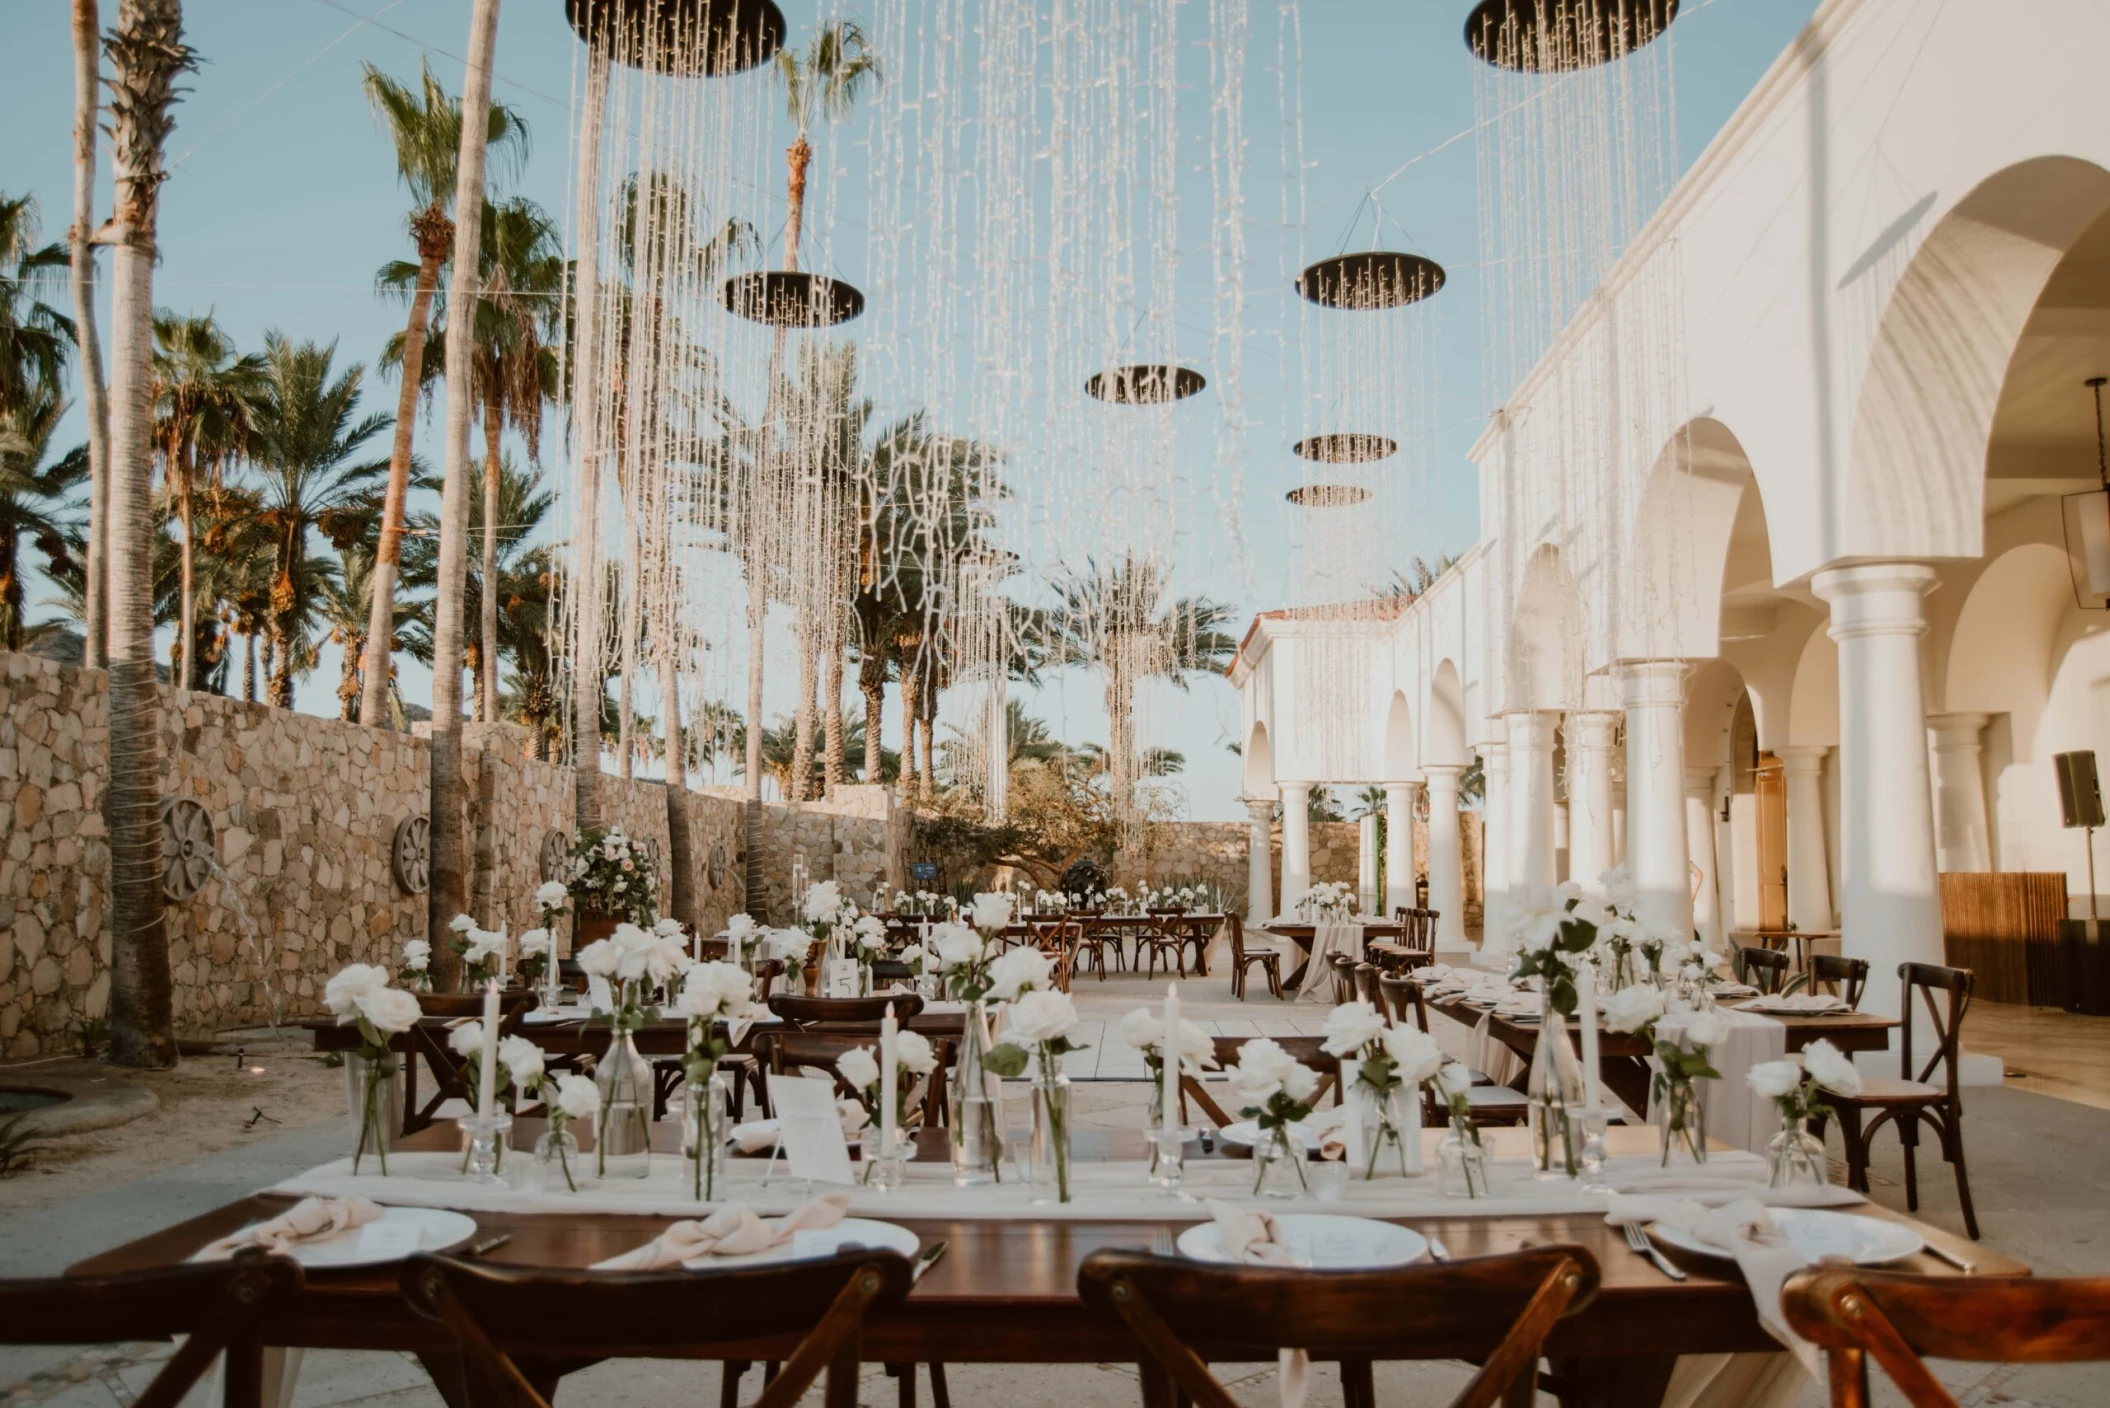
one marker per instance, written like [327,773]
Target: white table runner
[1329,937]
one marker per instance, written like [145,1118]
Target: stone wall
[848,838]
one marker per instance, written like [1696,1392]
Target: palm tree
[1121,621]
[426,128]
[305,442]
[147,55]
[35,338]
[87,89]
[520,508]
[202,395]
[36,498]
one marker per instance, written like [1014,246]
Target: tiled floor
[2045,1049]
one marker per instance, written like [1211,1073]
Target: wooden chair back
[1763,968]
[1307,1049]
[838,1011]
[219,1307]
[784,1051]
[1184,1313]
[1343,977]
[1399,997]
[1896,1319]
[815,1309]
[1946,994]
[1843,977]
[1365,977]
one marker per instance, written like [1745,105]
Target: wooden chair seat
[1876,1090]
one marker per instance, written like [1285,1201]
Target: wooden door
[1769,782]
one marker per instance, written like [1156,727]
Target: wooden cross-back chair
[452,1076]
[1059,939]
[780,1052]
[1844,978]
[1763,968]
[1896,1320]
[1914,1098]
[1268,959]
[1095,939]
[816,1309]
[825,1012]
[1399,998]
[218,1307]
[1343,971]
[1164,935]
[1307,1049]
[1364,977]
[1185,1313]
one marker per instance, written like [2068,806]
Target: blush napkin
[309,1220]
[1255,1237]
[733,1230]
[1744,1228]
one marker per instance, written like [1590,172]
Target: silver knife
[925,1260]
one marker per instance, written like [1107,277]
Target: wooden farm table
[1006,1290]
[1623,1056]
[1303,935]
[427,1042]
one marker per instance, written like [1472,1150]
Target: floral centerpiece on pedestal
[1391,1063]
[1326,902]
[361,994]
[611,879]
[1795,1156]
[710,993]
[1274,1090]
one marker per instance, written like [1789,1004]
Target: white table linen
[1736,1113]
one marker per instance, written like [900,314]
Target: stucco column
[1962,839]
[1700,853]
[1366,860]
[1259,860]
[1590,738]
[1399,846]
[1889,909]
[1446,857]
[1296,843]
[1496,850]
[1654,694]
[1809,873]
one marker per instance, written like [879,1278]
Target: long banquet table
[1005,1292]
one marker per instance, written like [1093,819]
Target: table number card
[812,1129]
[841,978]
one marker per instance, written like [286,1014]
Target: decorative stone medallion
[410,857]
[189,852]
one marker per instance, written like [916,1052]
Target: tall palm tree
[1121,620]
[449,889]
[95,400]
[425,126]
[37,499]
[147,55]
[35,337]
[202,395]
[305,448]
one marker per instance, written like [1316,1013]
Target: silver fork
[1161,1243]
[1638,1240]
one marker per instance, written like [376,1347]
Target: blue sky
[283,202]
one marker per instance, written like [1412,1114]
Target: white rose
[1018,971]
[957,945]
[1774,1079]
[1632,1008]
[1704,1031]
[1197,1049]
[1833,1068]
[461,923]
[344,992]
[1142,1029]
[1350,1027]
[667,928]
[1454,1079]
[992,912]
[912,1052]
[823,901]
[578,1097]
[390,1010]
[713,989]
[600,958]
[534,943]
[1537,915]
[417,955]
[859,1067]
[740,928]
[552,895]
[1300,1082]
[667,960]
[522,1058]
[913,955]
[1262,1069]
[1414,1052]
[483,943]
[1040,1016]
[467,1040]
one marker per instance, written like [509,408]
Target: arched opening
[1545,641]
[1697,537]
[1445,723]
[1401,756]
[1259,764]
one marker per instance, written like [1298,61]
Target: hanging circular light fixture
[793,299]
[736,35]
[1560,36]
[1371,280]
[1328,495]
[1149,384]
[1347,447]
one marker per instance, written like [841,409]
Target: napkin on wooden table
[1255,1237]
[733,1230]
[1744,1228]
[309,1220]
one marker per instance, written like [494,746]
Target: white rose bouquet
[1327,900]
[1274,1090]
[1145,1031]
[538,950]
[710,993]
[963,961]
[481,951]
[417,965]
[1389,1059]
[612,877]
[360,993]
[1684,1056]
[991,914]
[1042,1019]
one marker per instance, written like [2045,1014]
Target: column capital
[1699,782]
[1404,786]
[1653,683]
[1593,728]
[1442,774]
[1803,758]
[1532,729]
[1957,730]
[1875,598]
[1259,810]
[1287,786]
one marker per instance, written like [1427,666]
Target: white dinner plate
[376,1243]
[1323,1241]
[803,1246]
[1818,1233]
[1246,1133]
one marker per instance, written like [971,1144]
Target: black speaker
[2080,796]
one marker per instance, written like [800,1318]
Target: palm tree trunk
[449,891]
[146,53]
[87,91]
[1120,741]
[348,681]
[874,686]
[834,773]
[432,229]
[282,660]
[249,667]
[679,860]
[487,692]
[10,591]
[911,691]
[586,575]
[186,607]
[802,728]
[926,780]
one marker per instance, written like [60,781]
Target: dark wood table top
[665,1037]
[1849,1031]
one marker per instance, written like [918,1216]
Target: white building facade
[1773,601]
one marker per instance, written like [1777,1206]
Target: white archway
[1401,757]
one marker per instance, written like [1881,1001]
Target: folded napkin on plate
[1805,1002]
[733,1230]
[760,1136]
[1254,1237]
[1745,1229]
[307,1221]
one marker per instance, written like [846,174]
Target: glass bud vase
[1682,1120]
[1556,1094]
[1461,1163]
[623,1139]
[703,1134]
[557,1160]
[1051,1137]
[1388,1124]
[976,1140]
[375,1097]
[1794,1157]
[1278,1165]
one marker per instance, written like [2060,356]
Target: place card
[841,978]
[812,1129]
